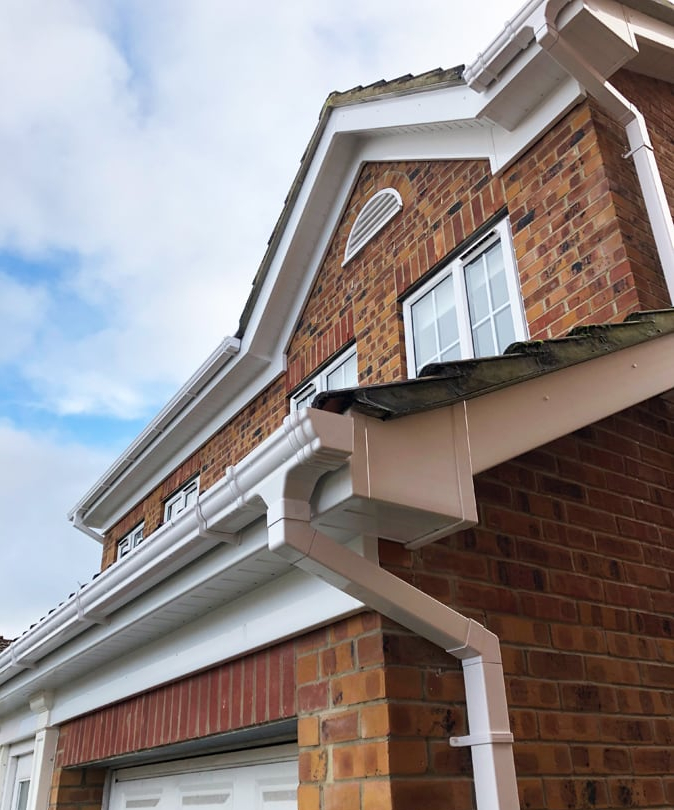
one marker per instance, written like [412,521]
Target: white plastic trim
[377,212]
[313,440]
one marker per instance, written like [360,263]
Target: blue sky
[145,153]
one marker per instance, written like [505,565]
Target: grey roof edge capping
[442,384]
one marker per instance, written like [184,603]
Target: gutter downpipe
[550,38]
[290,535]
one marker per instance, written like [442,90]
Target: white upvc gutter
[232,503]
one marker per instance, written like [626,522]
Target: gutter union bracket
[213,534]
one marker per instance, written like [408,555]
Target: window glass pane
[190,497]
[476,287]
[453,353]
[483,341]
[344,376]
[22,795]
[448,327]
[505,329]
[423,328]
[305,397]
[497,277]
[351,372]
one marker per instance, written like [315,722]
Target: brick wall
[443,204]
[255,689]
[572,566]
[373,725]
[78,789]
[584,247]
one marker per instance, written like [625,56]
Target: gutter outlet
[78,523]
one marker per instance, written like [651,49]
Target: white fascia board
[472,141]
[560,402]
[19,725]
[297,602]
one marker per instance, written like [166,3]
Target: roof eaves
[443,384]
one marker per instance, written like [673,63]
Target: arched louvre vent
[376,212]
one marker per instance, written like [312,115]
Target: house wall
[584,251]
[571,565]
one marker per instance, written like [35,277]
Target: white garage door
[239,782]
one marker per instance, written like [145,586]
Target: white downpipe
[552,40]
[489,738]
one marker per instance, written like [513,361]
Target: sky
[146,149]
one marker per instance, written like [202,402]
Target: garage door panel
[261,786]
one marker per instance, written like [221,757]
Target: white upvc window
[471,308]
[18,773]
[130,541]
[342,372]
[186,496]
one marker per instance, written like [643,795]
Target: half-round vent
[376,212]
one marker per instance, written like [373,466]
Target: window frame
[181,494]
[456,268]
[318,382]
[18,773]
[131,540]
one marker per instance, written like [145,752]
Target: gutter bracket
[488,738]
[213,534]
[92,619]
[17,662]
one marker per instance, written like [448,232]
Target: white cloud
[155,142]
[22,309]
[146,149]
[43,558]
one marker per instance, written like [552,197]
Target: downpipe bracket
[488,738]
